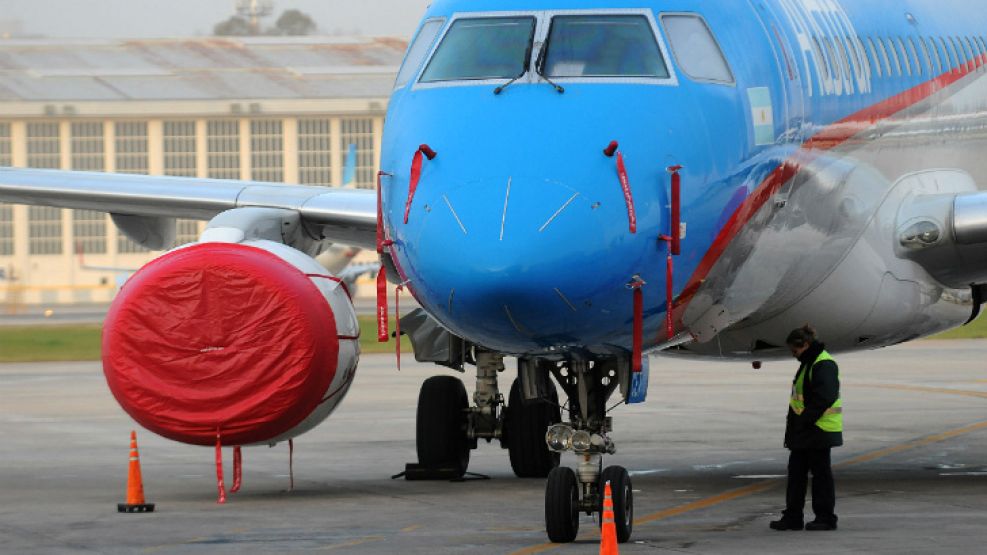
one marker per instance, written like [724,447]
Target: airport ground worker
[814,426]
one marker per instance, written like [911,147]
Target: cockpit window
[482,48]
[603,46]
[418,50]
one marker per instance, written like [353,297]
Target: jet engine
[251,340]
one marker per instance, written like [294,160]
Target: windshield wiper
[501,88]
[524,70]
[540,69]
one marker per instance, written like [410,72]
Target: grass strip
[45,343]
[55,342]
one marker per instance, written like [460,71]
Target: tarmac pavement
[705,455]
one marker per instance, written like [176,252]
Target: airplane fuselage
[795,165]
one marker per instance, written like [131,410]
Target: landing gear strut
[588,384]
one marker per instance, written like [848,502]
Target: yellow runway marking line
[411,528]
[707,502]
[920,442]
[538,549]
[924,389]
[759,487]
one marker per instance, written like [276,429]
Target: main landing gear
[530,427]
[448,427]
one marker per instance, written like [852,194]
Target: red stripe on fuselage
[829,138]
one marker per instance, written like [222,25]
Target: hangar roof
[198,68]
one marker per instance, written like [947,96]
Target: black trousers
[800,463]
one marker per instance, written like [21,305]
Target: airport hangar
[268,108]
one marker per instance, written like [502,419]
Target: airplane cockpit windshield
[482,48]
[580,46]
[603,46]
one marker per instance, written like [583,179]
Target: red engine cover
[219,337]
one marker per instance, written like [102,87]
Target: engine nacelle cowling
[253,341]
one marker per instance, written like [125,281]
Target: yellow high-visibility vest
[832,419]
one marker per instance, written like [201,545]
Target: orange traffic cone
[608,534]
[135,484]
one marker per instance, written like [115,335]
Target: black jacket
[820,393]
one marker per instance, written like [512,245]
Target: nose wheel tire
[562,505]
[440,428]
[525,427]
[623,500]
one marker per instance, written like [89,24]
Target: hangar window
[696,49]
[223,149]
[6,230]
[44,227]
[314,152]
[6,211]
[131,144]
[89,231]
[88,148]
[6,157]
[132,157]
[482,48]
[358,134]
[181,160]
[603,46]
[44,230]
[267,150]
[43,146]
[418,50]
[180,148]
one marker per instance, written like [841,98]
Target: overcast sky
[169,18]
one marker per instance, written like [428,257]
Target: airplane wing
[347,216]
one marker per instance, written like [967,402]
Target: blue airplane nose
[522,260]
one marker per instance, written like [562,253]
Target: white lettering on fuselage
[833,57]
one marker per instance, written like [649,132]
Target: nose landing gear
[589,385]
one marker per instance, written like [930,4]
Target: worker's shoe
[817,525]
[786,524]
